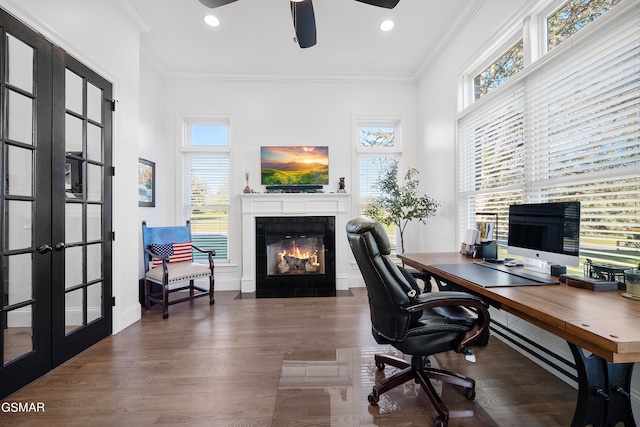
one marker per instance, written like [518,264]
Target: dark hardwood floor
[275,362]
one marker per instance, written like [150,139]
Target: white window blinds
[378,147]
[206,200]
[371,169]
[568,129]
[491,145]
[583,132]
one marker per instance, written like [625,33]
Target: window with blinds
[378,148]
[567,129]
[371,168]
[205,158]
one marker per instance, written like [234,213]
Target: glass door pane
[25,205]
[55,206]
[19,296]
[84,207]
[18,201]
[18,170]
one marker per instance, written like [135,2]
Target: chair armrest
[461,299]
[156,256]
[421,275]
[210,254]
[165,260]
[444,298]
[205,251]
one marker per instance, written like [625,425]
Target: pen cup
[632,282]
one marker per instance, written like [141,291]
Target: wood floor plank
[275,362]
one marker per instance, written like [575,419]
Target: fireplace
[295,256]
[287,205]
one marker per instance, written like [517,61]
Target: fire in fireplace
[295,256]
[289,255]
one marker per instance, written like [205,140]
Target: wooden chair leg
[147,290]
[385,359]
[165,300]
[211,286]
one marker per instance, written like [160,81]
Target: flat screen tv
[546,231]
[299,166]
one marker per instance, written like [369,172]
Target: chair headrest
[363,225]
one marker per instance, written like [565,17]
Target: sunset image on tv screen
[294,165]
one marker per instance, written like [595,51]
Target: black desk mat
[493,277]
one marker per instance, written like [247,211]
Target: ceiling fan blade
[304,22]
[216,3]
[387,4]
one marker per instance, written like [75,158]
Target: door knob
[60,246]
[43,249]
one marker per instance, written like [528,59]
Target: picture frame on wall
[146,183]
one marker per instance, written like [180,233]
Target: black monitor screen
[548,227]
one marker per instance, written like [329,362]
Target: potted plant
[400,203]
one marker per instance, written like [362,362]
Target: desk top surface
[604,323]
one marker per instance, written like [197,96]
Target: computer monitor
[545,231]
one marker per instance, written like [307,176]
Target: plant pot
[632,282]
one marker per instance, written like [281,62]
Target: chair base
[162,298]
[416,371]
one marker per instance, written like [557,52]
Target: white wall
[437,104]
[154,144]
[281,113]
[98,35]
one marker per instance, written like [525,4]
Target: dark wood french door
[55,206]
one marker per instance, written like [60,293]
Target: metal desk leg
[603,391]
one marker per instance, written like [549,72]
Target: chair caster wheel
[439,422]
[373,400]
[469,393]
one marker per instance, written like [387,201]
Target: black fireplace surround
[295,256]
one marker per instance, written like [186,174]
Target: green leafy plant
[400,203]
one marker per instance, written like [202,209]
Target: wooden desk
[604,323]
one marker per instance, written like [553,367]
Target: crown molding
[466,12]
[319,78]
[134,16]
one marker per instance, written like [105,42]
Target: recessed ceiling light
[387,25]
[212,20]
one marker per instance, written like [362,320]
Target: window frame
[396,123]
[394,153]
[544,27]
[499,47]
[186,148]
[535,189]
[506,48]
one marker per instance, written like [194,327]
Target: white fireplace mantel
[293,204]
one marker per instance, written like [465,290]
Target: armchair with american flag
[168,261]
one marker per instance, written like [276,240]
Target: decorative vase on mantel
[246,190]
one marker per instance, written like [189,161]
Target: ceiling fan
[304,20]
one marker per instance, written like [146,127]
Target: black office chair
[417,324]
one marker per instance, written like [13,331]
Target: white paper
[472,236]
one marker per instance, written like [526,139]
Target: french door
[55,206]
